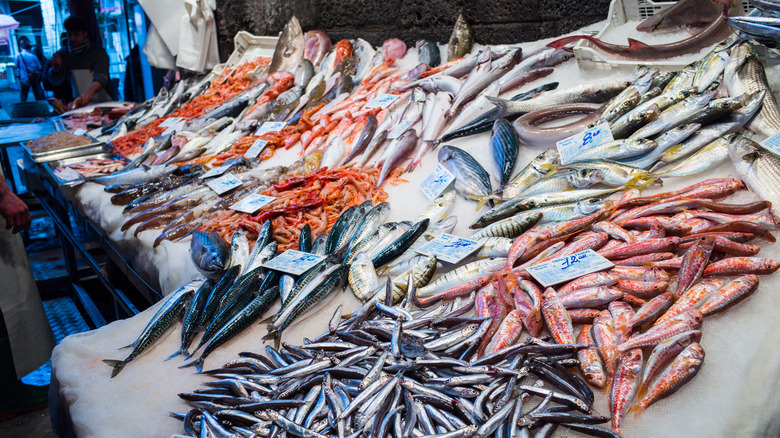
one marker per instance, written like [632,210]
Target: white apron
[82,79]
[28,329]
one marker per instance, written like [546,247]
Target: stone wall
[493,21]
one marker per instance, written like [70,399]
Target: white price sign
[436,182]
[255,149]
[400,129]
[224,183]
[569,267]
[252,203]
[572,146]
[772,143]
[381,101]
[217,171]
[449,248]
[267,127]
[294,262]
[80,131]
[67,174]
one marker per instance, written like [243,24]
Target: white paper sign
[252,203]
[67,174]
[569,267]
[267,127]
[449,248]
[772,143]
[381,101]
[170,121]
[400,129]
[255,149]
[80,131]
[436,182]
[570,147]
[224,183]
[294,262]
[217,171]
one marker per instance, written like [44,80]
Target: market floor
[64,318]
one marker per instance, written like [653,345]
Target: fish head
[289,48]
[590,206]
[694,353]
[585,177]
[641,144]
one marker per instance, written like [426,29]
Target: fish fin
[198,364]
[551,166]
[116,364]
[502,104]
[182,352]
[637,45]
[635,408]
[482,200]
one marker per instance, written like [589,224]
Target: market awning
[8,22]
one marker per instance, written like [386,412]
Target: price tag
[255,149]
[170,121]
[217,171]
[270,127]
[67,174]
[449,248]
[572,146]
[436,182]
[400,129]
[80,131]
[224,183]
[569,267]
[772,143]
[381,101]
[252,203]
[294,262]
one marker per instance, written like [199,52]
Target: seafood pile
[95,166]
[394,370]
[56,141]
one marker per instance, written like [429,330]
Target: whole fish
[289,49]
[710,155]
[745,74]
[682,369]
[590,362]
[592,92]
[665,352]
[564,180]
[736,290]
[397,152]
[556,318]
[362,277]
[209,252]
[532,172]
[758,168]
[505,147]
[162,323]
[470,177]
[689,320]
[616,174]
[711,67]
[627,379]
[694,261]
[674,115]
[617,150]
[461,39]
[362,140]
[134,175]
[470,89]
[542,59]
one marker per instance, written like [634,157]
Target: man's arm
[14,210]
[99,75]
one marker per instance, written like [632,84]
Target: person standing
[29,71]
[82,63]
[26,340]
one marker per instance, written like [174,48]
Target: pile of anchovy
[395,371]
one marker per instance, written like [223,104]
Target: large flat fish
[289,48]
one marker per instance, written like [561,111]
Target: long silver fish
[710,155]
[532,172]
[745,74]
[132,176]
[593,92]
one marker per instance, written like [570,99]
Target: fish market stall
[686,237]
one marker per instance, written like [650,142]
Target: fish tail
[182,352]
[116,364]
[198,364]
[502,104]
[481,200]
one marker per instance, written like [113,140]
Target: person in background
[82,63]
[29,71]
[26,339]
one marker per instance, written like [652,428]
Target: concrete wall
[493,21]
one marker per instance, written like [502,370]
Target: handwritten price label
[224,183]
[267,127]
[255,149]
[381,101]
[252,203]
[772,143]
[449,248]
[569,267]
[294,262]
[572,146]
[436,182]
[400,129]
[217,171]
